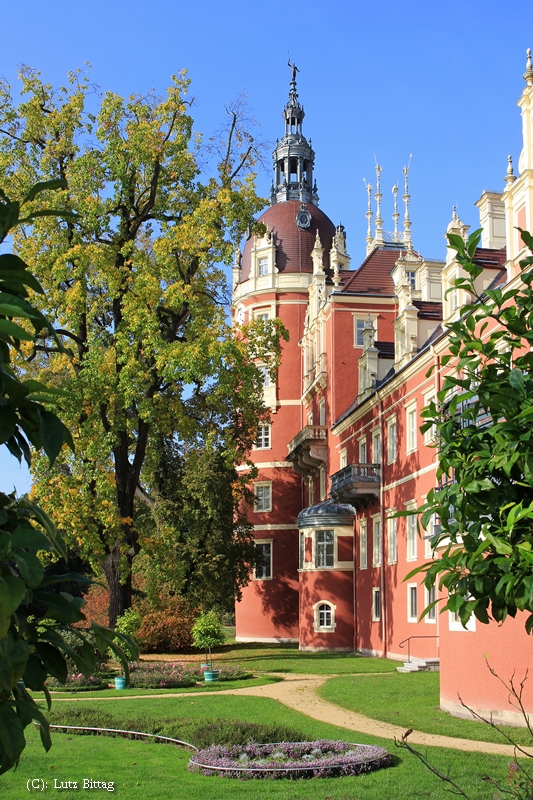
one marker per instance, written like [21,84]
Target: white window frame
[363,450]
[265,372]
[264,542]
[429,596]
[431,433]
[412,591]
[376,604]
[316,614]
[268,505]
[392,441]
[455,624]
[411,430]
[377,541]
[262,315]
[363,543]
[325,553]
[262,266]
[376,446]
[392,538]
[410,275]
[322,412]
[358,327]
[428,535]
[263,439]
[411,537]
[343,458]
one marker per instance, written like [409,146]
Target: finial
[395,215]
[528,75]
[378,196]
[369,215]
[318,243]
[294,70]
[455,216]
[406,198]
[510,176]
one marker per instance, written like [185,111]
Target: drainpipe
[355,631]
[383,538]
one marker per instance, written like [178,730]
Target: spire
[528,75]
[293,157]
[396,214]
[378,196]
[369,214]
[406,198]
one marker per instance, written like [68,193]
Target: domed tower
[272,279]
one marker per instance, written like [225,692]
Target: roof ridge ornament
[369,214]
[406,198]
[396,213]
[528,75]
[378,196]
[510,176]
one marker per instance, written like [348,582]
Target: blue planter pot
[120,683]
[211,675]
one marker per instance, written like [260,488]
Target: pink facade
[344,451]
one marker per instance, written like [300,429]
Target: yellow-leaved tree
[136,289]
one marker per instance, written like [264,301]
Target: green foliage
[484,424]
[207,632]
[34,615]
[136,287]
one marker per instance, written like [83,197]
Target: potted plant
[207,632]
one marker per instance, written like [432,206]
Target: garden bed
[323,758]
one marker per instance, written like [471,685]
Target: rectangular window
[391,440]
[363,549]
[262,266]
[343,459]
[322,413]
[263,497]
[411,278]
[411,427]
[376,542]
[324,556]
[392,540]
[262,441]
[431,595]
[263,570]
[412,536]
[376,604]
[359,325]
[266,376]
[310,418]
[376,447]
[412,602]
[428,535]
[322,483]
[362,451]
[263,316]
[429,435]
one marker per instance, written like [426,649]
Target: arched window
[324,613]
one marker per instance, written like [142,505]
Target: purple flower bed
[323,758]
[76,682]
[163,674]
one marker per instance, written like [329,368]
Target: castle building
[344,451]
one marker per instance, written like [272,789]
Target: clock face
[240,316]
[303,217]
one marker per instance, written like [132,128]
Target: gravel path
[299,692]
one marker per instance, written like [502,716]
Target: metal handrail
[408,640]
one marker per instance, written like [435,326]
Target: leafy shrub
[207,632]
[76,682]
[163,675]
[97,605]
[129,622]
[166,629]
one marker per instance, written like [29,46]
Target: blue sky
[436,79]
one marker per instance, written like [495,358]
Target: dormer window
[262,266]
[411,278]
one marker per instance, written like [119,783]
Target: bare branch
[403,743]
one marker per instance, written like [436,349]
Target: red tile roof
[428,309]
[493,259]
[373,276]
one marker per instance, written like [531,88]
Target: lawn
[411,701]
[287,658]
[157,772]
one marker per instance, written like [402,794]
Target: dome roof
[293,244]
[325,513]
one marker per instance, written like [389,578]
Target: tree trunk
[119,591]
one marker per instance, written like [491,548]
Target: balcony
[308,450]
[357,484]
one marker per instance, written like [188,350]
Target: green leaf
[34,674]
[53,434]
[12,593]
[53,661]
[30,568]
[12,741]
[44,186]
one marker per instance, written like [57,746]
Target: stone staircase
[420,665]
